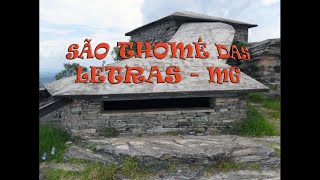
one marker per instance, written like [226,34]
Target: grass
[277,151]
[92,171]
[131,168]
[266,102]
[76,161]
[227,166]
[171,166]
[51,136]
[109,132]
[255,125]
[172,133]
[90,147]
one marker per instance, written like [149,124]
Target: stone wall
[83,117]
[43,94]
[241,33]
[164,32]
[265,64]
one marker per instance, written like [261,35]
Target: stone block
[223,110]
[83,132]
[232,100]
[228,121]
[90,116]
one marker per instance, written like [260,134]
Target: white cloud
[265,13]
[269,2]
[64,22]
[94,13]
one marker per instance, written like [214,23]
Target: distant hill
[47,76]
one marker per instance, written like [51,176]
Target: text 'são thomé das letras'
[135,74]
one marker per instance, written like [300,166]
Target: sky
[65,22]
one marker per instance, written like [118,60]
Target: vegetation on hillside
[69,70]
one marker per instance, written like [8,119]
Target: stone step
[198,150]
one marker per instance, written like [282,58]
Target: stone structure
[168,107]
[85,117]
[264,64]
[164,28]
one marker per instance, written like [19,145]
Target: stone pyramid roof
[189,86]
[188,16]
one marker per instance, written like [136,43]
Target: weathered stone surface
[166,28]
[189,149]
[246,174]
[83,132]
[211,33]
[191,155]
[85,154]
[264,64]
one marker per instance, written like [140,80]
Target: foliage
[240,44]
[69,70]
[116,51]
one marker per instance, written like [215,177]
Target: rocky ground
[190,157]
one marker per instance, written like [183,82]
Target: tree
[69,70]
[115,52]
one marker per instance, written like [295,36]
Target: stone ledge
[202,149]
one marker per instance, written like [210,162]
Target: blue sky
[64,22]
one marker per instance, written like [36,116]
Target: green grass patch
[172,133]
[90,147]
[131,168]
[227,166]
[277,151]
[255,125]
[270,103]
[171,166]
[76,161]
[51,136]
[93,171]
[109,132]
[275,115]
[256,97]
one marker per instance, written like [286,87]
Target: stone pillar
[228,109]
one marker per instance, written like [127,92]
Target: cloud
[269,2]
[265,13]
[93,13]
[64,22]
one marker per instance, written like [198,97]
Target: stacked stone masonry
[83,117]
[163,32]
[265,64]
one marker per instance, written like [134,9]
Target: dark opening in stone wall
[157,103]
